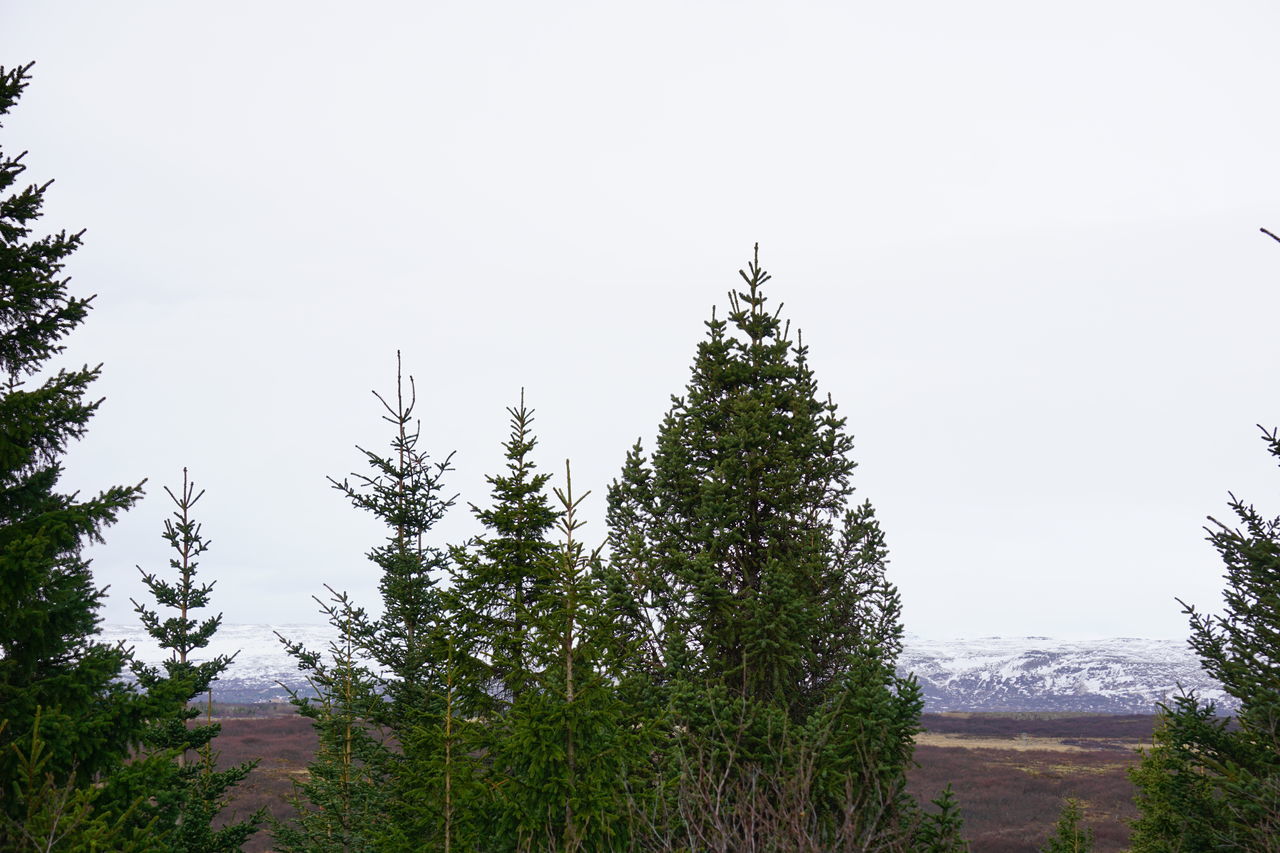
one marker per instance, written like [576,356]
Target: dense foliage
[191,790]
[68,723]
[756,597]
[722,679]
[388,676]
[1206,785]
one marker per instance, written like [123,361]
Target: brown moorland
[1010,772]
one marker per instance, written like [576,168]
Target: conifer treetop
[180,633]
[740,552]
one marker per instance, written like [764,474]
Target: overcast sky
[1021,240]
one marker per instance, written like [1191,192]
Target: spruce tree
[747,564]
[404,492]
[412,794]
[196,791]
[499,577]
[410,642]
[1070,835]
[65,816]
[1203,779]
[498,580]
[342,804]
[538,676]
[756,594]
[51,667]
[941,831]
[569,744]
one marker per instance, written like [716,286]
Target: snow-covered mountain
[1122,675]
[261,665]
[1117,676]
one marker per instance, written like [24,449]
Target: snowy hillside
[1113,676]
[260,666]
[1121,675]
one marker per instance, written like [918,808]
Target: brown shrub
[1011,799]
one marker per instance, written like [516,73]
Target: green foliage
[940,831]
[748,777]
[1179,805]
[1070,835]
[737,558]
[440,795]
[755,599]
[50,666]
[539,671]
[391,678]
[499,583]
[568,743]
[499,578]
[1205,785]
[343,801]
[189,793]
[48,816]
[404,492]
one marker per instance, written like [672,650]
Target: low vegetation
[1010,795]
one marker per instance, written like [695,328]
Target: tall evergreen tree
[498,580]
[342,804]
[499,577]
[569,744]
[1205,780]
[51,667]
[405,654]
[747,564]
[197,791]
[405,492]
[757,595]
[539,680]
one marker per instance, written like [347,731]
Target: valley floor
[1010,772]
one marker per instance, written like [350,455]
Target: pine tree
[1180,806]
[411,796]
[404,491]
[410,642]
[196,791]
[747,564]
[1070,835]
[941,831]
[342,804]
[569,744]
[756,595]
[51,667]
[498,580]
[539,679]
[499,577]
[1234,800]
[66,816]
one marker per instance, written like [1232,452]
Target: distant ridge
[1122,675]
[1114,676]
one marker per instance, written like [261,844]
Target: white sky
[1021,240]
